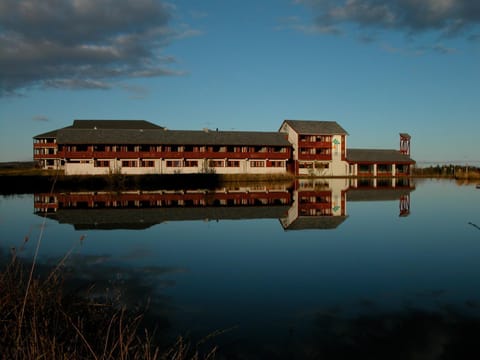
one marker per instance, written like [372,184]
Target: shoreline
[24,179]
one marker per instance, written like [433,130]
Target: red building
[309,148]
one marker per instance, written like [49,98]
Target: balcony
[44,145]
[171,155]
[45,156]
[310,206]
[314,157]
[315,144]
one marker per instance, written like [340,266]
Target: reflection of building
[322,203]
[315,148]
[308,204]
[317,204]
[142,209]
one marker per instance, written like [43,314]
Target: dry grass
[51,324]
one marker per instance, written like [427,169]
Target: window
[364,168]
[323,151]
[280,149]
[70,161]
[257,163]
[277,163]
[216,163]
[102,163]
[305,165]
[191,163]
[260,149]
[233,163]
[174,163]
[323,166]
[147,163]
[129,163]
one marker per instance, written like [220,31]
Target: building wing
[377,156]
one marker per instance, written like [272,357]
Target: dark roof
[405,135]
[315,223]
[102,124]
[114,124]
[145,218]
[316,127]
[377,156]
[171,137]
[377,194]
[50,134]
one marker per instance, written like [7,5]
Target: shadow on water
[409,334]
[22,184]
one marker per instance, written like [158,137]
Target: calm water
[289,271]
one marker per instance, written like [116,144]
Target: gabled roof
[170,137]
[50,134]
[114,124]
[102,124]
[316,127]
[377,156]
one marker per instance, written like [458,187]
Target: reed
[52,323]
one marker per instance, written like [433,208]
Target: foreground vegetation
[39,319]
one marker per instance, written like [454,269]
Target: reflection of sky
[253,274]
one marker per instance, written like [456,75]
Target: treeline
[449,170]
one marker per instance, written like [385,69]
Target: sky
[377,67]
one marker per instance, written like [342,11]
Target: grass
[39,319]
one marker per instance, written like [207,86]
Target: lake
[325,267]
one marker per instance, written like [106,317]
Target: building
[300,147]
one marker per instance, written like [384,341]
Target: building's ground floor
[171,166]
[225,166]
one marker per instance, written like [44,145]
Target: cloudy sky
[377,67]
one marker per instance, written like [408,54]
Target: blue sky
[376,67]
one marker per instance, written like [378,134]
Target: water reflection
[304,204]
[391,281]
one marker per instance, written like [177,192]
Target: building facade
[303,148]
